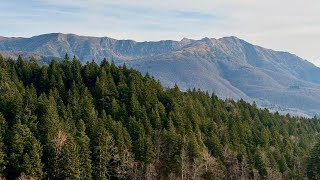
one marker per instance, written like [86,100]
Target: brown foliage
[23,177]
[59,141]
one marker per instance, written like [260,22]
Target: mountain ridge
[228,66]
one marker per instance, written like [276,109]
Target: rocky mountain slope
[230,67]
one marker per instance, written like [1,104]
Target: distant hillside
[27,56]
[230,67]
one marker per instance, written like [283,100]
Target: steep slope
[88,48]
[114,123]
[230,67]
[277,80]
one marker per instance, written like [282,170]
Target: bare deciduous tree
[59,141]
[273,174]
[211,165]
[23,177]
[256,175]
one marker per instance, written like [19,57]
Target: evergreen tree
[65,163]
[10,97]
[25,153]
[194,149]
[172,147]
[313,167]
[3,162]
[143,149]
[104,149]
[83,144]
[64,120]
[76,71]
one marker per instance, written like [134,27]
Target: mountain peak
[49,35]
[205,39]
[229,66]
[232,39]
[186,39]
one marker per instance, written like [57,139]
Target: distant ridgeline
[73,121]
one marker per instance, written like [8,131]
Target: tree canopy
[65,120]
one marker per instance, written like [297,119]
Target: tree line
[65,120]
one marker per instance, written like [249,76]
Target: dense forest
[65,120]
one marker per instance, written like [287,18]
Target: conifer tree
[90,72]
[194,149]
[83,144]
[143,149]
[313,167]
[23,70]
[10,97]
[3,156]
[43,81]
[64,120]
[104,150]
[155,119]
[172,146]
[65,163]
[76,71]
[25,153]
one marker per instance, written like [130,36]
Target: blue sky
[288,25]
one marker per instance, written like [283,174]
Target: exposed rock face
[230,67]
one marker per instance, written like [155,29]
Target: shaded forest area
[71,121]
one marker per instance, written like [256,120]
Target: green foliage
[83,144]
[103,151]
[73,121]
[173,147]
[25,153]
[313,168]
[3,162]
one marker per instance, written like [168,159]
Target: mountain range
[230,67]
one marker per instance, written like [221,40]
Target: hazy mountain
[229,66]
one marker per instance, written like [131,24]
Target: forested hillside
[230,67]
[73,121]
